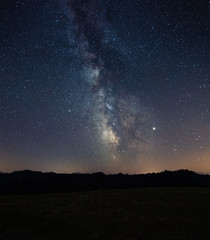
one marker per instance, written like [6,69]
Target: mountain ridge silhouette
[28,181]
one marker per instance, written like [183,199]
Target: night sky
[105,85]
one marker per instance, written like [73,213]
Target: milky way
[122,124]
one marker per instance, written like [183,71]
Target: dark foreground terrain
[143,213]
[37,182]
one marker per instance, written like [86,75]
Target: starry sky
[105,85]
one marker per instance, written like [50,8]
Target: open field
[145,213]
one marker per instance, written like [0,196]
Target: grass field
[146,213]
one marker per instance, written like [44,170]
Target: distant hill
[37,182]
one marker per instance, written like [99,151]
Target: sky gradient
[112,86]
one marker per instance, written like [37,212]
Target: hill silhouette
[37,182]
